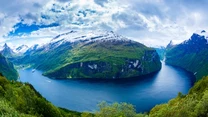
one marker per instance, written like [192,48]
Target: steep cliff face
[93,55]
[191,55]
[147,64]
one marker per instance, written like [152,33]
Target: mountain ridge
[191,55]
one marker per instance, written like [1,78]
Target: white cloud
[6,24]
[12,12]
[151,22]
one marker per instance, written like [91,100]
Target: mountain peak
[201,33]
[7,51]
[197,41]
[170,44]
[198,37]
[5,45]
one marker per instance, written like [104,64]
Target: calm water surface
[84,95]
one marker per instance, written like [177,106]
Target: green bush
[117,110]
[21,99]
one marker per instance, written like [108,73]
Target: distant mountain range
[191,55]
[98,54]
[11,52]
[21,49]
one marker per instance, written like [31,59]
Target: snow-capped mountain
[70,38]
[198,37]
[32,49]
[86,36]
[92,54]
[7,51]
[74,36]
[21,49]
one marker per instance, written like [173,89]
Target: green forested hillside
[191,55]
[107,60]
[7,68]
[21,100]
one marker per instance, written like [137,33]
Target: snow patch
[91,67]
[195,73]
[136,63]
[122,70]
[75,36]
[139,65]
[21,49]
[94,66]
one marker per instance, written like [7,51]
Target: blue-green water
[84,95]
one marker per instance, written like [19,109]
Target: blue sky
[152,22]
